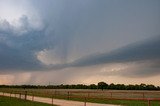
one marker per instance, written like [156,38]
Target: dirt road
[58,102]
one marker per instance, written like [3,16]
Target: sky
[79,41]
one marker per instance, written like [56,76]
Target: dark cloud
[148,50]
[140,69]
[19,45]
[13,59]
[139,51]
[86,23]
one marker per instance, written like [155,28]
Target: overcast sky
[79,41]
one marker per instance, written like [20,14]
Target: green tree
[92,86]
[102,85]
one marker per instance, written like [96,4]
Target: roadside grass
[118,102]
[105,101]
[7,101]
[126,102]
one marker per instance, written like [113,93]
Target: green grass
[125,102]
[119,102]
[6,101]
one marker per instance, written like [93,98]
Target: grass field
[97,96]
[6,101]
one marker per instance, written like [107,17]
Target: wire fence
[148,98]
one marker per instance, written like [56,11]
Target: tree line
[100,85]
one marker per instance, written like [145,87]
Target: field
[6,101]
[121,97]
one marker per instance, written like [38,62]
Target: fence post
[55,93]
[149,103]
[33,97]
[20,95]
[85,101]
[10,95]
[68,95]
[25,98]
[52,99]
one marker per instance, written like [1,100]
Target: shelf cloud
[138,51]
[108,38]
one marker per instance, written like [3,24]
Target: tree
[92,86]
[102,85]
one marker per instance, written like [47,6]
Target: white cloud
[20,26]
[49,57]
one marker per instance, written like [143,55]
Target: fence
[85,96]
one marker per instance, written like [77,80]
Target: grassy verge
[6,101]
[105,101]
[124,102]
[118,102]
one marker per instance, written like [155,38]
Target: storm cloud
[147,50]
[139,51]
[71,38]
[20,43]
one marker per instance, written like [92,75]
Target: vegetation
[6,101]
[100,85]
[122,102]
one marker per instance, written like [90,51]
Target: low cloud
[138,51]
[34,49]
